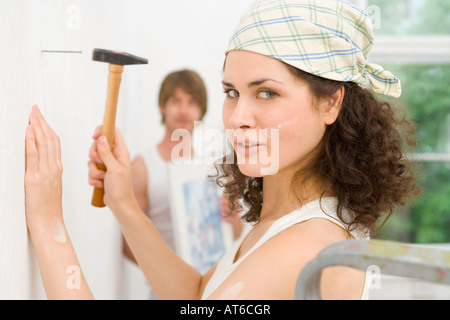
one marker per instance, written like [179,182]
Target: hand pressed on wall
[43,206]
[43,173]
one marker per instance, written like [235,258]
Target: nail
[103,140]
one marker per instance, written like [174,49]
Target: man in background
[182,101]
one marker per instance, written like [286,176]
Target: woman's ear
[331,106]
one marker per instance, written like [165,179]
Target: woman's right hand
[117,179]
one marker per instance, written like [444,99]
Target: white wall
[70,90]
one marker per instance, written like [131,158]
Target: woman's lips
[247,148]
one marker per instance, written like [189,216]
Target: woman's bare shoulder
[271,271]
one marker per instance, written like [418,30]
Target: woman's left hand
[43,174]
[58,263]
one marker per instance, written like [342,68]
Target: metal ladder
[393,258]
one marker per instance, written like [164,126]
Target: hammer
[116,60]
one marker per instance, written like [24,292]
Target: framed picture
[201,237]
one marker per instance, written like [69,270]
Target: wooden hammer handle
[109,121]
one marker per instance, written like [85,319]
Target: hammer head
[116,57]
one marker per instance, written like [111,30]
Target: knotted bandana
[328,38]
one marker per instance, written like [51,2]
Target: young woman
[293,78]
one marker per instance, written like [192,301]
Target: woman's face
[268,114]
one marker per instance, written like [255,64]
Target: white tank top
[325,209]
[158,194]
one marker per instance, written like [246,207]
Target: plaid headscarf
[328,38]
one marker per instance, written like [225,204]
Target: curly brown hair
[361,157]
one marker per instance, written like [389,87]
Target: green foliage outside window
[426,97]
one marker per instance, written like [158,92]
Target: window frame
[411,50]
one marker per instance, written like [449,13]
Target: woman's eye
[266,94]
[232,93]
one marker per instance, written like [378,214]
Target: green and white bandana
[328,38]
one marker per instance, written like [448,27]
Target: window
[412,40]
